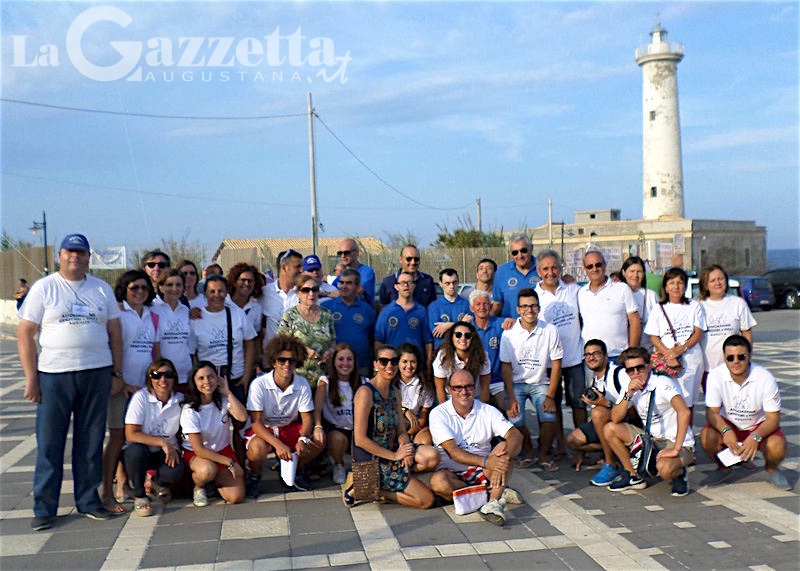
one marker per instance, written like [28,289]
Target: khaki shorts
[116,410]
[685,455]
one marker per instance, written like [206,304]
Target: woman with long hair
[245,288]
[633,274]
[462,349]
[417,392]
[191,276]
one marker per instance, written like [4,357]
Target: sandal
[113,506]
[549,466]
[141,507]
[163,493]
[524,462]
[347,492]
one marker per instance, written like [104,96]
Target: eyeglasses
[410,259]
[592,355]
[528,306]
[465,334]
[161,265]
[597,266]
[385,361]
[635,369]
[341,253]
[313,289]
[738,357]
[137,287]
[155,375]
[462,388]
[406,284]
[520,251]
[283,360]
[189,273]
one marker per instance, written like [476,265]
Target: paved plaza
[565,522]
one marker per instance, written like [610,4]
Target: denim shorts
[536,394]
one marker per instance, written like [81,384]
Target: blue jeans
[84,395]
[139,458]
[536,394]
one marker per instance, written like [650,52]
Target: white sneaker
[493,512]
[339,474]
[512,496]
[200,499]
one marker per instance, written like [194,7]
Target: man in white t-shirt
[743,407]
[464,427]
[527,351]
[608,309]
[76,318]
[281,294]
[670,424]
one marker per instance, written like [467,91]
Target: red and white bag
[469,499]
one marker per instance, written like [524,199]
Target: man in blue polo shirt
[519,273]
[448,309]
[404,320]
[353,319]
[490,330]
[348,257]
[425,287]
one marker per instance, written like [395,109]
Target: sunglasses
[465,334]
[527,306]
[161,265]
[155,375]
[311,289]
[635,369]
[410,259]
[137,287]
[462,388]
[385,361]
[597,266]
[341,253]
[520,251]
[739,357]
[283,360]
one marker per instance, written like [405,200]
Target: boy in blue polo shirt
[353,319]
[404,320]
[448,309]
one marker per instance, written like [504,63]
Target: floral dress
[319,336]
[382,429]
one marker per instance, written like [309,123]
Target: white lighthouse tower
[662,173]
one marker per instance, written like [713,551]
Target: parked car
[756,291]
[785,283]
[693,288]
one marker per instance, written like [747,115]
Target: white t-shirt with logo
[208,336]
[173,333]
[684,318]
[341,414]
[439,370]
[73,321]
[280,407]
[744,406]
[155,418]
[212,423]
[274,304]
[138,337]
[530,353]
[664,423]
[561,310]
[605,314]
[725,317]
[412,396]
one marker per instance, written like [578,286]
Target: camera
[591,394]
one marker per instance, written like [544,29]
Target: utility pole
[550,222]
[480,224]
[312,177]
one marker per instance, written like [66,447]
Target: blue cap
[311,263]
[75,242]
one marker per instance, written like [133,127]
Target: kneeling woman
[151,429]
[206,427]
[378,431]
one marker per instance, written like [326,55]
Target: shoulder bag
[658,362]
[644,449]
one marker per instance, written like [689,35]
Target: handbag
[366,475]
[644,449]
[657,361]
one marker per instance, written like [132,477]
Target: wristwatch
[305,440]
[117,374]
[757,437]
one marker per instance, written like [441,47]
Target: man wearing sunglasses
[464,427]
[608,309]
[513,276]
[743,414]
[281,294]
[404,320]
[424,286]
[670,425]
[348,258]
[155,263]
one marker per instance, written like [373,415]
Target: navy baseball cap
[311,263]
[75,242]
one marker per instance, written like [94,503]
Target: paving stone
[485,531]
[316,507]
[458,563]
[431,527]
[86,559]
[320,523]
[237,565]
[422,552]
[272,564]
[203,552]
[252,509]
[309,561]
[311,543]
[265,547]
[28,544]
[528,560]
[347,558]
[576,558]
[455,549]
[186,533]
[254,528]
[79,540]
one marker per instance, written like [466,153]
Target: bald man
[348,259]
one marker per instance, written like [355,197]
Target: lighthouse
[662,173]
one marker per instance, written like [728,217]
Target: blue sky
[514,103]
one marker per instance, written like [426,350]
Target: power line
[150,115]
[381,179]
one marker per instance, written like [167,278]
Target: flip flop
[524,462]
[141,507]
[549,466]
[113,506]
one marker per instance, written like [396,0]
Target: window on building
[580,230]
[653,191]
[747,257]
[593,216]
[652,115]
[702,258]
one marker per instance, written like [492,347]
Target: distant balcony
[660,48]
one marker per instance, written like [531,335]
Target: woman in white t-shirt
[726,315]
[676,327]
[152,455]
[333,408]
[245,288]
[206,430]
[417,393]
[173,321]
[191,277]
[461,349]
[632,274]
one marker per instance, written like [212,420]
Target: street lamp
[42,226]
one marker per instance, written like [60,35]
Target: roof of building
[301,244]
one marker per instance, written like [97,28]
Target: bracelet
[318,426]
[231,465]
[626,397]
[484,462]
[727,428]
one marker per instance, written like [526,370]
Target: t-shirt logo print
[512,282]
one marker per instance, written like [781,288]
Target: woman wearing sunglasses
[151,454]
[313,326]
[134,292]
[191,278]
[462,349]
[379,432]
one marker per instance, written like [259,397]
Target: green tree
[467,236]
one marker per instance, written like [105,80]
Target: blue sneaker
[607,474]
[628,482]
[680,484]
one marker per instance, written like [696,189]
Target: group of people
[210,378]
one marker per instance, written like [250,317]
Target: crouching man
[464,427]
[669,425]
